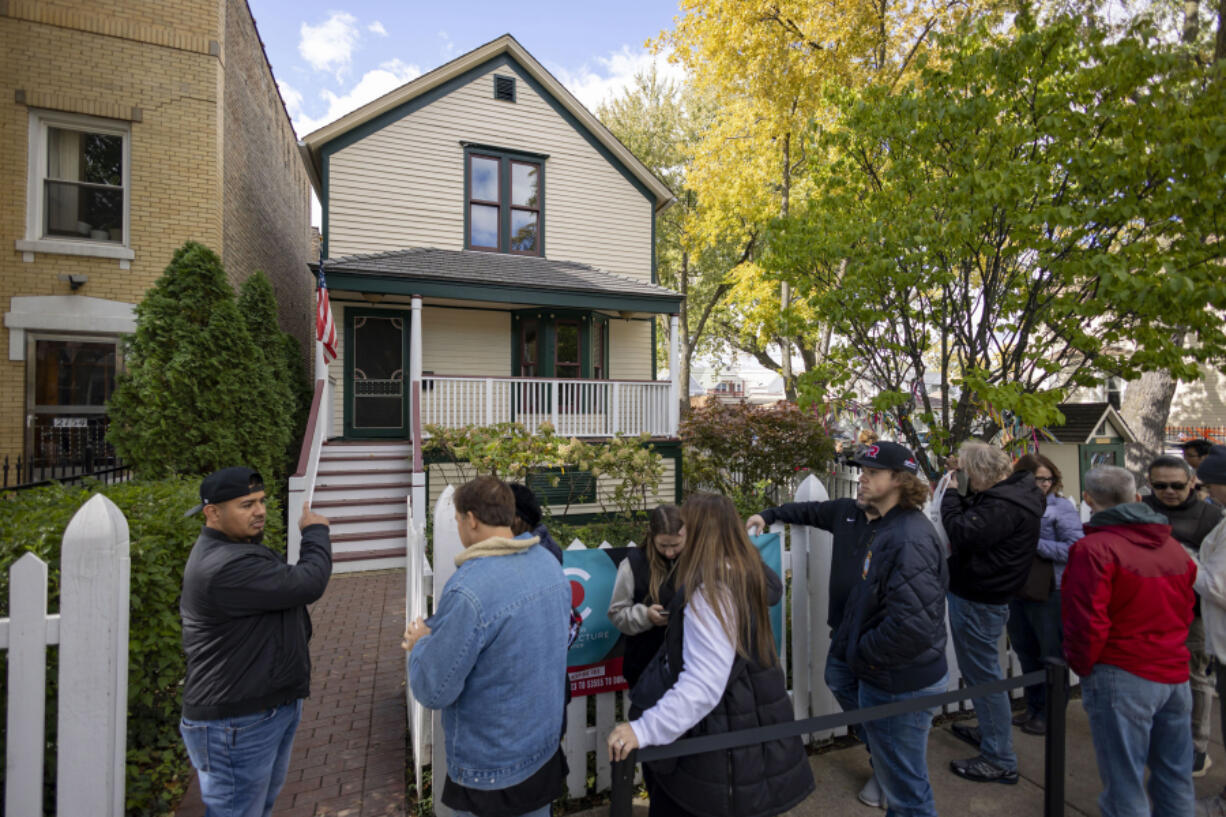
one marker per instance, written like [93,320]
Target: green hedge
[161,538]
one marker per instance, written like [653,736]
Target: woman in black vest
[643,589]
[717,672]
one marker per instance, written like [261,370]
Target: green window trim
[546,322]
[507,208]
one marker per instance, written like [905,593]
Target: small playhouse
[1093,434]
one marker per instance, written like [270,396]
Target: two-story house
[131,128]
[489,254]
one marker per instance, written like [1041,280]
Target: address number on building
[70,422]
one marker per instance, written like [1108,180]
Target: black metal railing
[32,472]
[1054,678]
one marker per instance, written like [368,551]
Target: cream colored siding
[466,341]
[442,474]
[1200,403]
[629,349]
[403,185]
[336,372]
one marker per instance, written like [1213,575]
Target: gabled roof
[1081,420]
[313,143]
[476,275]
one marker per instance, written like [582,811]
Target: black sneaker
[1035,726]
[968,733]
[981,771]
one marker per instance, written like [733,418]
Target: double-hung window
[78,185]
[505,193]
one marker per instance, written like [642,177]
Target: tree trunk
[1146,407]
[684,352]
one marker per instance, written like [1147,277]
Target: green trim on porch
[361,282]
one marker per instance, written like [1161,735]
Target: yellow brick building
[129,127]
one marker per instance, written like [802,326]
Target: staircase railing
[302,483]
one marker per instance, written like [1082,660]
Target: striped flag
[325,329]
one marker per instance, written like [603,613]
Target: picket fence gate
[91,631]
[806,642]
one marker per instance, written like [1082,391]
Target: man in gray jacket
[245,633]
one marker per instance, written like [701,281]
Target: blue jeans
[242,761]
[846,688]
[976,630]
[900,751]
[1035,633]
[1135,722]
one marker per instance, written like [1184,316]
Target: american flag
[325,329]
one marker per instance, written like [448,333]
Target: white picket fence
[91,631]
[806,642]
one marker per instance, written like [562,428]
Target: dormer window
[505,193]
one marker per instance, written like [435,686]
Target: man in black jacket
[245,633]
[993,536]
[1174,496]
[892,634]
[849,522]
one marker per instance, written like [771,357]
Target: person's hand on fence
[309,517]
[657,615]
[755,524]
[622,741]
[416,630]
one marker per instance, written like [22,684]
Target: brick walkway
[349,752]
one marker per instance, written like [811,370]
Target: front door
[69,381]
[376,373]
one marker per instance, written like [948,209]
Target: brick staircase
[362,488]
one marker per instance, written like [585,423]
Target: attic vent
[504,88]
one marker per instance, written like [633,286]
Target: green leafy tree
[193,398]
[1032,214]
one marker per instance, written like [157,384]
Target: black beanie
[1212,470]
[527,507]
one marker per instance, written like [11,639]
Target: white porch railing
[575,408]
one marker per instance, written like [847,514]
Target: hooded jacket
[893,630]
[993,536]
[1127,596]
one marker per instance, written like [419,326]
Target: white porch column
[419,471]
[321,368]
[674,374]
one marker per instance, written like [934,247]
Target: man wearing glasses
[1191,518]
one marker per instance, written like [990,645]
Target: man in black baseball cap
[245,633]
[888,456]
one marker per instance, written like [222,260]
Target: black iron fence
[31,472]
[1054,678]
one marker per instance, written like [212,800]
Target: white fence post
[446,547]
[28,629]
[93,688]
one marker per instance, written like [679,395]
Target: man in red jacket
[1127,606]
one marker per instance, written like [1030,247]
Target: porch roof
[490,276]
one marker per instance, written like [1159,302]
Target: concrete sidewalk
[841,772]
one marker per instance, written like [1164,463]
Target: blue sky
[331,57]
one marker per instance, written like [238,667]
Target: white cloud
[613,74]
[373,84]
[329,46]
[446,47]
[377,28]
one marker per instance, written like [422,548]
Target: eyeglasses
[1172,486]
[1044,479]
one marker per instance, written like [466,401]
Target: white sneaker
[1214,806]
[872,795]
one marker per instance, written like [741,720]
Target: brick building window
[79,180]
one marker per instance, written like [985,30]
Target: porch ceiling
[488,276]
